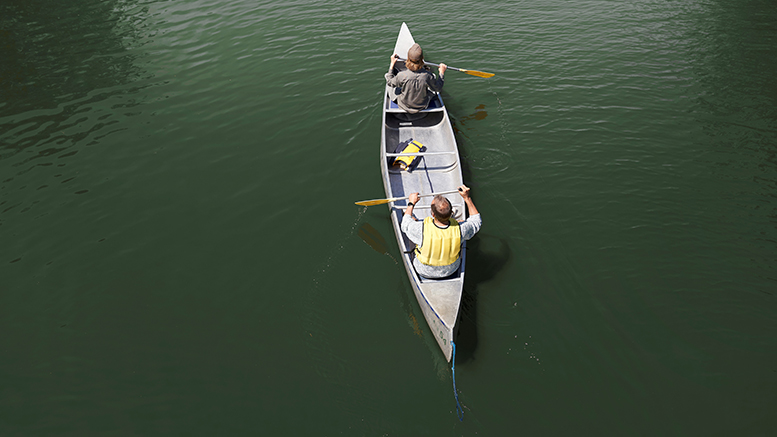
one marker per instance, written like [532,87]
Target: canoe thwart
[421,153]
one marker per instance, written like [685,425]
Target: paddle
[470,72]
[372,237]
[394,199]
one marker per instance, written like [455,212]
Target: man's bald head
[441,208]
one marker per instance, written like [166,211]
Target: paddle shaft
[394,199]
[463,70]
[433,64]
[425,195]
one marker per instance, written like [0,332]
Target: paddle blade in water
[478,73]
[372,237]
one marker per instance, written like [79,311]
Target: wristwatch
[410,204]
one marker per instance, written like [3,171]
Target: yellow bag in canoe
[408,163]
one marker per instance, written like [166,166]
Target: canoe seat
[455,276]
[435,105]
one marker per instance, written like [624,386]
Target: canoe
[438,170]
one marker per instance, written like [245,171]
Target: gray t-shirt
[418,88]
[414,229]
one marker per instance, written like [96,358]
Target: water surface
[180,252]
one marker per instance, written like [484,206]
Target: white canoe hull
[438,171]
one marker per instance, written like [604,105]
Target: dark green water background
[180,252]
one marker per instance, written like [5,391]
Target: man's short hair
[441,208]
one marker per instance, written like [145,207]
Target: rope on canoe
[459,411]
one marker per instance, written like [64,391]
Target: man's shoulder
[472,220]
[409,220]
[425,72]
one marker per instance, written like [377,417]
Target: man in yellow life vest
[438,238]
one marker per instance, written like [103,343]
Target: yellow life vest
[440,247]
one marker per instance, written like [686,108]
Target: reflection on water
[486,257]
[64,80]
[54,55]
[735,105]
[479,114]
[372,237]
[57,64]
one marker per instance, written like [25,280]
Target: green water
[180,253]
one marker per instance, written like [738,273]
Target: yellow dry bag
[408,162]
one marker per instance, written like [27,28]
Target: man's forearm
[471,206]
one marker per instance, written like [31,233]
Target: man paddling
[413,88]
[438,238]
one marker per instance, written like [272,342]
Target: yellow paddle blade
[374,202]
[477,73]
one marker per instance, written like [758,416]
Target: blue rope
[459,411]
